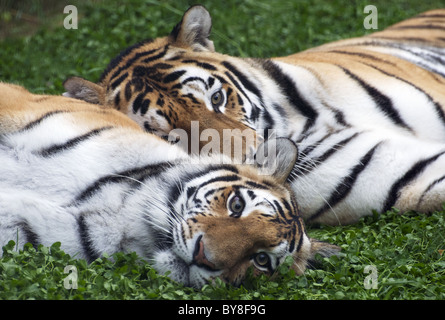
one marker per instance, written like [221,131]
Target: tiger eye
[262,259]
[217,98]
[236,205]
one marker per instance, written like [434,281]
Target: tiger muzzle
[199,257]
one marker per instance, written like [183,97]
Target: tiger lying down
[366,113]
[92,179]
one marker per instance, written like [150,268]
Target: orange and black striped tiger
[92,179]
[367,113]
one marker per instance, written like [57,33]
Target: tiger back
[367,113]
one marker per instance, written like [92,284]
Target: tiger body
[366,113]
[92,179]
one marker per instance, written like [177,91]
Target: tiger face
[177,81]
[234,218]
[225,229]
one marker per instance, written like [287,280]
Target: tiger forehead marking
[164,93]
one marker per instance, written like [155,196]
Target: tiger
[92,179]
[367,113]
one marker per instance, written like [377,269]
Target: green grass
[406,250]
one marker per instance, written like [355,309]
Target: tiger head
[232,218]
[179,81]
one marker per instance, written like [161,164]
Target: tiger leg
[27,218]
[422,188]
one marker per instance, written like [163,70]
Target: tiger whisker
[157,203]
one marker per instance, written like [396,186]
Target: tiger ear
[322,248]
[194,30]
[307,256]
[277,157]
[79,88]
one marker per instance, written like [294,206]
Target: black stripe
[429,57]
[268,120]
[211,82]
[340,117]
[381,100]
[363,55]
[280,210]
[209,193]
[434,183]
[288,208]
[145,73]
[311,147]
[337,147]
[224,178]
[300,241]
[437,105]
[72,143]
[345,186]
[251,194]
[422,26]
[162,66]
[173,76]
[399,39]
[258,185]
[129,176]
[117,99]
[157,56]
[203,65]
[300,223]
[407,178]
[118,81]
[434,58]
[237,85]
[431,186]
[191,97]
[306,166]
[289,89]
[136,57]
[292,242]
[29,234]
[144,106]
[243,79]
[85,239]
[115,62]
[190,191]
[227,167]
[190,79]
[138,102]
[429,15]
[36,122]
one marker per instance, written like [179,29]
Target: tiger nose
[199,257]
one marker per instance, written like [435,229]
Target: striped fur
[95,181]
[367,113]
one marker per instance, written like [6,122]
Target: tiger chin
[92,179]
